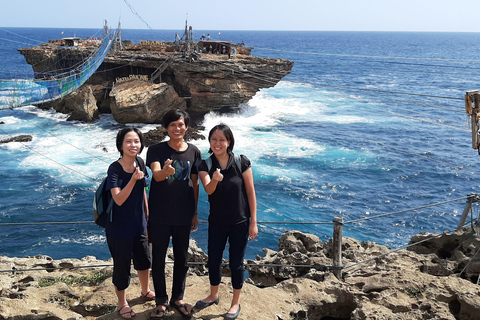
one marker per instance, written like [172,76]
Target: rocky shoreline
[434,279]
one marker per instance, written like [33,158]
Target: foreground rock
[376,284]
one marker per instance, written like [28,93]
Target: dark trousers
[237,238]
[160,236]
[123,251]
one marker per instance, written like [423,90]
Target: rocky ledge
[434,279]
[137,84]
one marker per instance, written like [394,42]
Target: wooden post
[337,245]
[475,122]
[466,210]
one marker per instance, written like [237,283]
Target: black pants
[160,236]
[237,237]
[123,251]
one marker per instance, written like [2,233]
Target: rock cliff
[201,83]
[434,279]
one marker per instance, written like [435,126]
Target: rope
[390,252]
[259,222]
[136,13]
[47,157]
[417,119]
[366,56]
[189,264]
[421,155]
[365,66]
[406,210]
[470,261]
[200,221]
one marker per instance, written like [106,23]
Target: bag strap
[237,161]
[141,165]
[208,161]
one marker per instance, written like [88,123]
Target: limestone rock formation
[81,105]
[213,82]
[139,101]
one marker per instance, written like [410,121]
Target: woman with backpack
[228,181]
[127,230]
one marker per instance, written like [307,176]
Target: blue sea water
[366,124]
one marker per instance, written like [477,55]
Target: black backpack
[103,200]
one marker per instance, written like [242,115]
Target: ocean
[367,124]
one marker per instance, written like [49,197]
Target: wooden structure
[220,47]
[472,108]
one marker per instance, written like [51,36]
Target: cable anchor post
[337,246]
[473,197]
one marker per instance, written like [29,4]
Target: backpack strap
[141,165]
[208,161]
[237,162]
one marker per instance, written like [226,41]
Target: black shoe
[202,305]
[234,315]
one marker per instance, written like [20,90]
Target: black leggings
[237,237]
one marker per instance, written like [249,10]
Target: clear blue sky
[321,15]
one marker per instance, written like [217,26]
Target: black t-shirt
[229,202]
[128,220]
[172,201]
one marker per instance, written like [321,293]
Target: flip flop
[159,313]
[183,306]
[123,314]
[145,297]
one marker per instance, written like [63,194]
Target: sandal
[159,313]
[145,297]
[183,307]
[124,314]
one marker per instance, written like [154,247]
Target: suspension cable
[406,210]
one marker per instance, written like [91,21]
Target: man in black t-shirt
[172,203]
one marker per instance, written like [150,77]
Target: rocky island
[137,83]
[435,278]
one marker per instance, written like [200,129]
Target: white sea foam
[8,120]
[72,152]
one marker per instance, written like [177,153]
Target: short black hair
[121,136]
[228,135]
[174,115]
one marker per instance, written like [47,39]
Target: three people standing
[171,213]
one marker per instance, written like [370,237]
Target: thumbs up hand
[137,175]
[217,175]
[168,169]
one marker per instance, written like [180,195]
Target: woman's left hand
[253,231]
[138,174]
[195,222]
